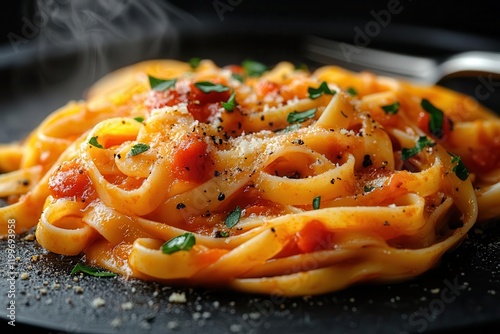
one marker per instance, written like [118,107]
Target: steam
[83,40]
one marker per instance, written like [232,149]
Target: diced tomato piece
[199,97]
[313,237]
[203,105]
[160,99]
[203,112]
[70,180]
[265,87]
[236,69]
[423,123]
[191,160]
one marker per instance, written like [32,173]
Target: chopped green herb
[459,169]
[436,118]
[139,119]
[138,149]
[367,189]
[230,104]
[237,76]
[423,141]
[233,217]
[352,91]
[391,108]
[161,84]
[207,87]
[289,128]
[253,68]
[300,116]
[81,268]
[316,202]
[314,93]
[183,242]
[93,141]
[221,234]
[194,62]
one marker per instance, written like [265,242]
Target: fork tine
[356,58]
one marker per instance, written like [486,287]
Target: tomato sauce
[70,180]
[192,161]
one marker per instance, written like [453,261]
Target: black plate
[460,295]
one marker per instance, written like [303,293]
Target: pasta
[274,180]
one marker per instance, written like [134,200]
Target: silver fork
[416,69]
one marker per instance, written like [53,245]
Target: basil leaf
[207,87]
[183,242]
[314,93]
[93,141]
[391,108]
[233,217]
[352,91]
[138,149]
[423,141]
[194,62]
[91,271]
[436,118]
[316,202]
[161,84]
[229,105]
[139,119]
[300,116]
[459,169]
[253,68]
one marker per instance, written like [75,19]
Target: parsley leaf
[314,93]
[138,149]
[139,119]
[194,62]
[93,141]
[233,217]
[352,91]
[423,141]
[316,202]
[207,87]
[459,169]
[253,68]
[183,242]
[161,84]
[300,116]
[91,271]
[436,118]
[231,103]
[391,109]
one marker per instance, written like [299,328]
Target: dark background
[477,17]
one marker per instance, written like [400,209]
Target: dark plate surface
[460,295]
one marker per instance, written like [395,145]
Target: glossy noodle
[276,181]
